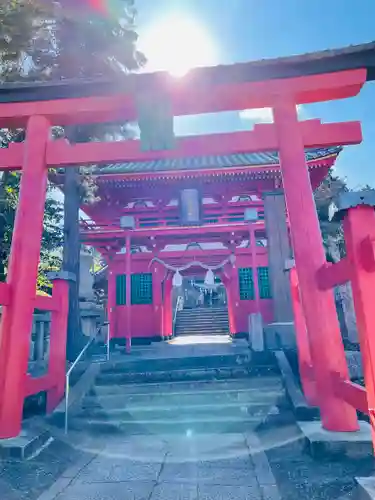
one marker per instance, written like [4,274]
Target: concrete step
[201,331]
[176,412]
[185,375]
[195,319]
[214,317]
[204,310]
[184,426]
[164,364]
[263,384]
[189,315]
[28,444]
[181,398]
[201,325]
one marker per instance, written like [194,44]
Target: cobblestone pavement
[229,466]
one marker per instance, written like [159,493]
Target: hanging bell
[177,279]
[209,280]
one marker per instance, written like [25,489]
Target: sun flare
[177,45]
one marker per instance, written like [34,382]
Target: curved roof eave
[261,161]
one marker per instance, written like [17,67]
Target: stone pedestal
[256,340]
[280,336]
[91,313]
[86,278]
[91,317]
[321,443]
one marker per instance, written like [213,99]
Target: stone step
[180,398]
[255,384]
[185,375]
[216,314]
[183,426]
[204,319]
[164,364]
[200,331]
[203,309]
[202,324]
[175,413]
[29,443]
[213,317]
[200,327]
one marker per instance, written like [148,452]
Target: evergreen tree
[332,233]
[42,40]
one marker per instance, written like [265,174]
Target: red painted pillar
[57,349]
[233,299]
[128,271]
[111,299]
[327,350]
[254,265]
[359,230]
[157,299]
[302,339]
[16,322]
[168,312]
[227,283]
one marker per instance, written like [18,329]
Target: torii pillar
[327,351]
[17,319]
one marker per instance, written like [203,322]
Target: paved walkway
[205,467]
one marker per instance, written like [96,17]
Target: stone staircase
[227,393]
[202,321]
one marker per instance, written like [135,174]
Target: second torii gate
[287,135]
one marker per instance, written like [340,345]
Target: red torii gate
[287,135]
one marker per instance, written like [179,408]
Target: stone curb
[263,472]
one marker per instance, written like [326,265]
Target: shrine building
[224,214]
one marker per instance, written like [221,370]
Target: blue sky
[243,30]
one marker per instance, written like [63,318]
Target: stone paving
[300,477]
[229,466]
[27,480]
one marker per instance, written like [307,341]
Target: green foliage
[42,40]
[332,232]
[52,237]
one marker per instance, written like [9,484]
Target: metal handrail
[179,300]
[108,339]
[69,372]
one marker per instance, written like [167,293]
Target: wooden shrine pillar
[327,351]
[279,252]
[128,306]
[17,318]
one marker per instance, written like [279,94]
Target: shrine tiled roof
[251,160]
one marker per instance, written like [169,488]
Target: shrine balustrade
[148,218]
[52,310]
[166,222]
[356,210]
